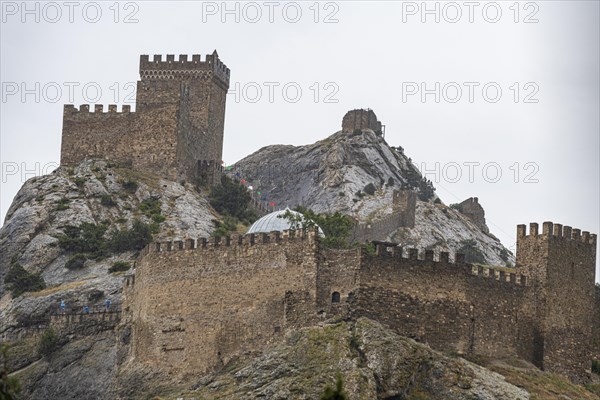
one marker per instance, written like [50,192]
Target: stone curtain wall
[448,305]
[205,302]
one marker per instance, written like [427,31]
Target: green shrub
[62,204]
[119,266]
[472,253]
[369,248]
[130,186]
[390,182]
[86,238]
[76,262]
[150,206]
[232,198]
[504,254]
[132,239]
[335,394]
[10,387]
[79,182]
[341,194]
[455,206]
[158,218]
[107,200]
[19,281]
[39,198]
[336,227]
[426,189]
[596,366]
[370,189]
[225,227]
[48,343]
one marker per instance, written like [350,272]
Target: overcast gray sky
[482,88]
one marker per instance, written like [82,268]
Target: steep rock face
[332,175]
[93,192]
[373,362]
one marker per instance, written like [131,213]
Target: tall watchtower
[194,92]
[361,119]
[560,262]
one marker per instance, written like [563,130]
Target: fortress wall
[570,306]
[338,272]
[377,230]
[447,305]
[561,263]
[139,140]
[403,215]
[204,305]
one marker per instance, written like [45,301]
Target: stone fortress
[176,130]
[191,306]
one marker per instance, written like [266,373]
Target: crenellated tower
[560,263]
[176,130]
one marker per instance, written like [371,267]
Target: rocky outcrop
[373,362]
[357,173]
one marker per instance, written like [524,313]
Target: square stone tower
[560,263]
[176,130]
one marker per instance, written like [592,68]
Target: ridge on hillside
[357,173]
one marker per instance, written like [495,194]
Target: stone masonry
[176,130]
[474,211]
[404,203]
[360,119]
[194,305]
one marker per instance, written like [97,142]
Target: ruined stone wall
[360,119]
[475,212]
[203,303]
[561,262]
[448,305]
[404,203]
[403,215]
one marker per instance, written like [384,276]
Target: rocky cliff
[356,173]
[372,361]
[97,194]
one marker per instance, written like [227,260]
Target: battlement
[275,237]
[418,257]
[69,109]
[554,231]
[182,68]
